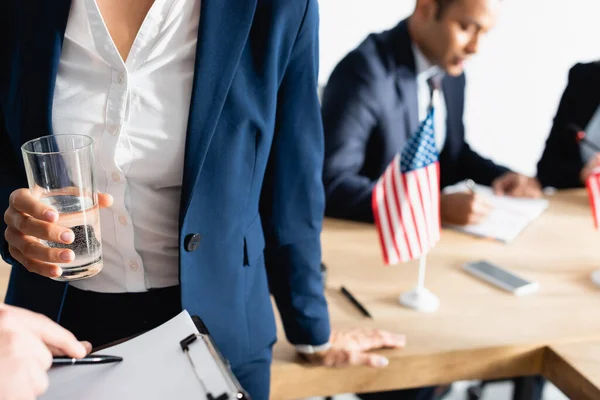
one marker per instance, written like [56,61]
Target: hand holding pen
[27,343]
[464,208]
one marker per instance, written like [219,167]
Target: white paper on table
[509,217]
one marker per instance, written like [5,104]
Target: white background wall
[513,85]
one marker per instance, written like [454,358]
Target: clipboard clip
[223,365]
[185,343]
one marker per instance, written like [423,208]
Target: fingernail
[382,362]
[87,346]
[67,236]
[56,272]
[109,198]
[67,255]
[51,215]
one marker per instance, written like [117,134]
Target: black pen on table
[353,300]
[89,360]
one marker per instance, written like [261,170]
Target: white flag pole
[420,298]
[422,267]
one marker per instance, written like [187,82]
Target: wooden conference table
[479,332]
[575,368]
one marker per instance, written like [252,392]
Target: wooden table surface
[575,368]
[479,331]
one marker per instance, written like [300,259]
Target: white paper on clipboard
[154,366]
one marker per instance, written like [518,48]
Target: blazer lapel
[223,31]
[406,81]
[407,86]
[42,39]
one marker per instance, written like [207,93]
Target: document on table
[154,366]
[510,215]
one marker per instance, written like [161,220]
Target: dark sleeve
[473,166]
[478,168]
[561,163]
[349,112]
[292,200]
[10,164]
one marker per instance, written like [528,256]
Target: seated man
[563,164]
[378,94]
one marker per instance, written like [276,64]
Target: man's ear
[426,9]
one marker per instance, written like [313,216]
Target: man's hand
[27,221]
[517,185]
[589,168]
[27,343]
[351,347]
[463,208]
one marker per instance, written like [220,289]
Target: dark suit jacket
[561,163]
[369,110]
[253,164]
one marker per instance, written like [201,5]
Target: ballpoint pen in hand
[91,359]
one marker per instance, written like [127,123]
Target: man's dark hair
[442,6]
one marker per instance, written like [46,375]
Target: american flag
[406,201]
[593,187]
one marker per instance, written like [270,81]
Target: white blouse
[137,112]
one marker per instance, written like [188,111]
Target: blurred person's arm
[482,170]
[590,167]
[561,165]
[349,109]
[471,165]
[292,214]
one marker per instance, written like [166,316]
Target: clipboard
[178,360]
[234,390]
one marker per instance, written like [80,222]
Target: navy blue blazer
[253,164]
[370,109]
[561,163]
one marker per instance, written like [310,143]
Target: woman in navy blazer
[255,86]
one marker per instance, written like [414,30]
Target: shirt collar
[424,68]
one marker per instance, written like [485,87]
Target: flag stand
[420,298]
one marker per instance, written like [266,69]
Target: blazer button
[192,241]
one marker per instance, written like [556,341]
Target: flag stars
[420,150]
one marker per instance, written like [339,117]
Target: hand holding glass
[54,227]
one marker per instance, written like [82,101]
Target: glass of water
[60,172]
